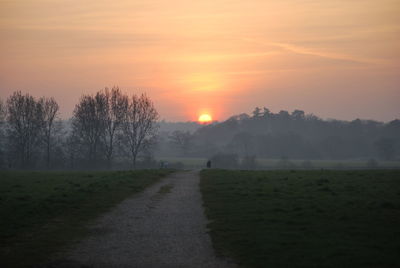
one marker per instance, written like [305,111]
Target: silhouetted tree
[266,113]
[296,135]
[2,131]
[139,126]
[71,147]
[49,115]
[3,111]
[116,108]
[311,118]
[25,121]
[257,112]
[88,124]
[284,115]
[298,115]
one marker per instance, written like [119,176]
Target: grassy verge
[42,212]
[264,163]
[304,218]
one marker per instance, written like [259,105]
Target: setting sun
[205,118]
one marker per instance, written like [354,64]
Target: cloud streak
[328,55]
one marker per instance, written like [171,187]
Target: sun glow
[205,118]
[203,81]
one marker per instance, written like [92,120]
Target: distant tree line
[106,126]
[285,135]
[110,129]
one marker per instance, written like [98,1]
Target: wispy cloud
[328,55]
[318,53]
[210,57]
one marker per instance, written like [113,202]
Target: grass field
[305,218]
[42,212]
[263,163]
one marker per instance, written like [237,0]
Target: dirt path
[162,227]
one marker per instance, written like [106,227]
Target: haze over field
[337,59]
[199,133]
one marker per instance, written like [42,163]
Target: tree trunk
[48,155]
[134,161]
[109,162]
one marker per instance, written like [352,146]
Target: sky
[336,59]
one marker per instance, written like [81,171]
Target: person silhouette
[209,164]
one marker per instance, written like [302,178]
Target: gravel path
[164,226]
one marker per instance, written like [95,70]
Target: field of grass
[263,163]
[42,212]
[316,218]
[328,164]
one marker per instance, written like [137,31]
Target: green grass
[264,163]
[43,212]
[329,164]
[305,218]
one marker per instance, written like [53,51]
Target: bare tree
[2,111]
[71,147]
[298,115]
[257,112]
[25,121]
[49,113]
[139,125]
[88,124]
[116,107]
[2,130]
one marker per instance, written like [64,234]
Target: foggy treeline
[106,128]
[285,135]
[113,130]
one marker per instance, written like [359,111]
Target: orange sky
[337,59]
